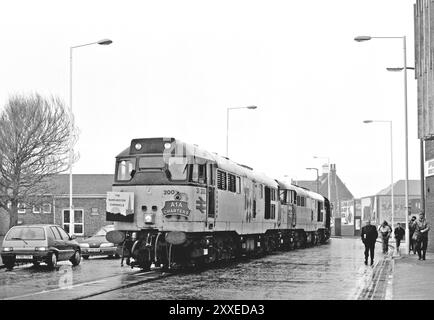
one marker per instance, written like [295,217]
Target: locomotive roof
[300,191]
[193,151]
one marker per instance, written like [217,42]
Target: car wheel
[52,261]
[9,265]
[117,256]
[76,258]
[85,257]
[36,263]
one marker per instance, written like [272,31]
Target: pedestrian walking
[399,233]
[369,236]
[385,232]
[421,236]
[411,228]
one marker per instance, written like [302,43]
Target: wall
[429,204]
[93,221]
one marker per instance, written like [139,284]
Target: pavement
[413,279]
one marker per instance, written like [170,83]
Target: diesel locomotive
[175,204]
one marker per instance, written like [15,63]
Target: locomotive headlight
[167,145]
[134,236]
[149,218]
[138,146]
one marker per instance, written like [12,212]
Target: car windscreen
[26,233]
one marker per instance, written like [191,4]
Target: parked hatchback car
[97,245]
[39,243]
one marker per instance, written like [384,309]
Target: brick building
[88,199]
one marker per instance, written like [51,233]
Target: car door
[69,245]
[58,243]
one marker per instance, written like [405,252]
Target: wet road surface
[327,272]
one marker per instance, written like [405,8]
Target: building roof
[84,184]
[343,193]
[399,188]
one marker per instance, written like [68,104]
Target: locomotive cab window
[124,168]
[198,173]
[177,168]
[283,194]
[320,212]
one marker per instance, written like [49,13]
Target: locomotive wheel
[143,261]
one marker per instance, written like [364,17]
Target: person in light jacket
[385,232]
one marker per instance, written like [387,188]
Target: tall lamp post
[227,125]
[366,38]
[391,166]
[422,156]
[317,178]
[71,147]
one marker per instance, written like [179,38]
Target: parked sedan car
[97,245]
[38,243]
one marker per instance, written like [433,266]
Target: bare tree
[35,140]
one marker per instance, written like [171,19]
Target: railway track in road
[94,288]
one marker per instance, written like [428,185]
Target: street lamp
[391,165]
[227,125]
[317,178]
[103,42]
[365,38]
[422,156]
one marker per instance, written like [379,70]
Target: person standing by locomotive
[399,235]
[369,236]
[385,231]
[411,228]
[421,235]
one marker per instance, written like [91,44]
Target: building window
[73,224]
[21,208]
[46,208]
[36,209]
[94,211]
[221,180]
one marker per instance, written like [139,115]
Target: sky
[174,68]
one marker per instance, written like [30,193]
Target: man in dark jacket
[421,235]
[369,236]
